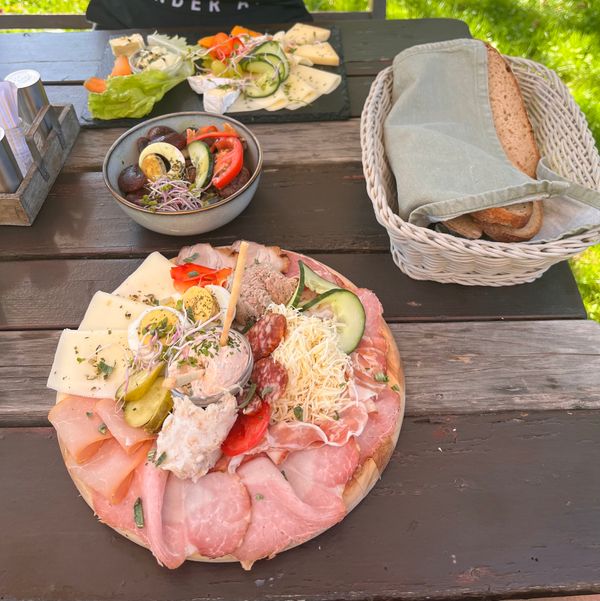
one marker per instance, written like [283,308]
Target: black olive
[175,139]
[142,143]
[131,179]
[159,130]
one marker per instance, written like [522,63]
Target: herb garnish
[104,369]
[259,497]
[396,388]
[138,513]
[191,258]
[266,390]
[151,455]
[161,458]
[336,415]
[381,377]
[89,413]
[102,428]
[298,413]
[192,274]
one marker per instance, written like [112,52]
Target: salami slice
[266,334]
[271,379]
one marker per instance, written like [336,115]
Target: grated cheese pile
[318,370]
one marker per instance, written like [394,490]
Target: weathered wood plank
[478,506]
[449,368]
[58,292]
[284,144]
[316,209]
[35,21]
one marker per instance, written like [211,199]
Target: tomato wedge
[229,161]
[247,431]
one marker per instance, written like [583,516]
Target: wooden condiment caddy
[49,155]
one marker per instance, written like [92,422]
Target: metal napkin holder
[49,155]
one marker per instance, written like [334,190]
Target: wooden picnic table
[493,489]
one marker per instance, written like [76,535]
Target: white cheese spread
[191,436]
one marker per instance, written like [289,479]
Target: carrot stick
[235,292]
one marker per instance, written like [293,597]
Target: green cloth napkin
[443,148]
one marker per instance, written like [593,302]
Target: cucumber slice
[313,281]
[202,159]
[138,384]
[295,300]
[266,76]
[277,50]
[349,314]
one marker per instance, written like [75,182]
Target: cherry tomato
[247,431]
[229,161]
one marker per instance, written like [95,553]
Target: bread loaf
[518,222]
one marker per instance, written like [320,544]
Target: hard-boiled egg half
[156,324]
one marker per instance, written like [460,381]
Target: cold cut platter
[209,444]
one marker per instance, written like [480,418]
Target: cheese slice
[243,104]
[301,34]
[298,92]
[110,311]
[150,282]
[90,363]
[219,100]
[319,54]
[324,82]
[126,45]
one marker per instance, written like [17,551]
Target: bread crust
[356,489]
[502,233]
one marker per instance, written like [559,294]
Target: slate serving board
[329,107]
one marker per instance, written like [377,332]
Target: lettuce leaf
[135,95]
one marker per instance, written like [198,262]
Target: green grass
[562,34]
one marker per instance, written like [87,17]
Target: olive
[131,179]
[175,139]
[136,197]
[159,130]
[142,143]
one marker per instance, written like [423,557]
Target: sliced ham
[128,437]
[167,537]
[279,517]
[381,424]
[218,513]
[79,427]
[110,471]
[121,515]
[318,476]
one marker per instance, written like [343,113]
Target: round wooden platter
[365,475]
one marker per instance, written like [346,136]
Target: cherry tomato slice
[247,431]
[229,161]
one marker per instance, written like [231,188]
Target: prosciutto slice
[128,437]
[110,471]
[279,517]
[79,427]
[382,423]
[318,476]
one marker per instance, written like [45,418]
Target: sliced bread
[516,215]
[504,233]
[464,226]
[513,127]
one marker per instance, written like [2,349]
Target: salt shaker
[31,97]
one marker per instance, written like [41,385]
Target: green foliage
[586,269]
[562,34]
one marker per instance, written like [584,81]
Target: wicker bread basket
[563,137]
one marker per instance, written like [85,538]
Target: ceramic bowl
[183,223]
